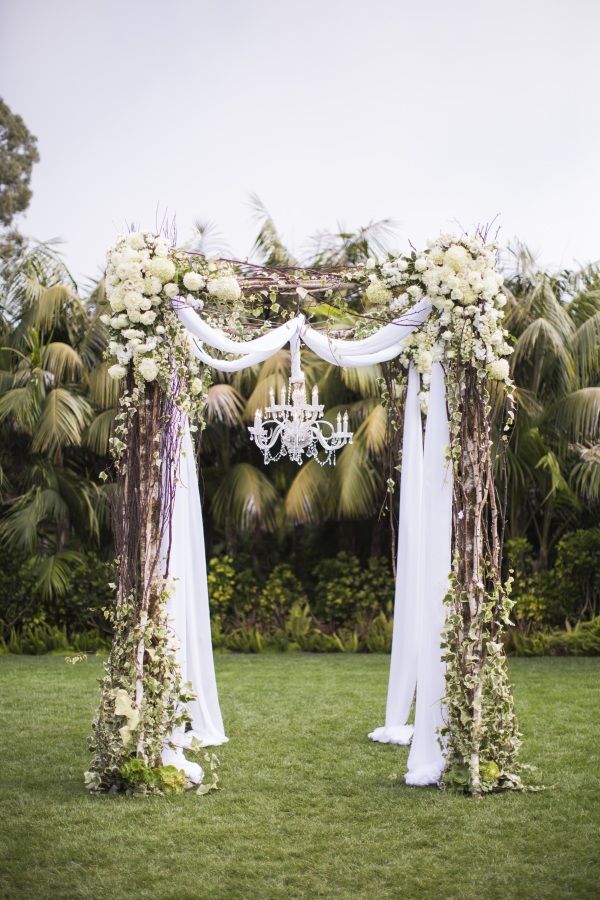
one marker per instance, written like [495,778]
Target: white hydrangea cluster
[143,277]
[138,278]
[459,277]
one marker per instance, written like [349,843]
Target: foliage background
[277,533]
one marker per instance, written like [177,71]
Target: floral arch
[434,318]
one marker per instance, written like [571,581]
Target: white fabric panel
[382,346]
[233,365]
[271,341]
[426,759]
[403,665]
[334,349]
[350,360]
[188,603]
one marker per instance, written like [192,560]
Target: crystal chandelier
[293,427]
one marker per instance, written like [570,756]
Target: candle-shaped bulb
[283,396]
[315,395]
[257,419]
[345,422]
[272,397]
[339,421]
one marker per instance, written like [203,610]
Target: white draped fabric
[425,760]
[188,601]
[403,666]
[424,541]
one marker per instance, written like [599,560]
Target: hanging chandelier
[294,427]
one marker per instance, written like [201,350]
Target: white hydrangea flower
[498,370]
[423,361]
[162,268]
[117,304]
[193,281]
[132,299]
[457,257]
[148,368]
[148,317]
[161,247]
[378,294]
[136,240]
[170,290]
[225,288]
[117,371]
[152,284]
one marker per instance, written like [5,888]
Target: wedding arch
[434,317]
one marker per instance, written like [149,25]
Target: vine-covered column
[481,733]
[143,698]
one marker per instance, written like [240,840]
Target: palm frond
[55,304]
[358,482]
[345,248]
[577,415]
[21,404]
[54,573]
[585,474]
[93,343]
[372,432]
[63,418]
[586,348]
[62,360]
[20,528]
[363,381]
[224,404]
[99,432]
[306,501]
[104,391]
[268,245]
[247,498]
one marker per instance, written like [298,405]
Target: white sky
[333,111]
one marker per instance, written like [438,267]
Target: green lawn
[308,807]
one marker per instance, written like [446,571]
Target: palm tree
[56,404]
[553,457]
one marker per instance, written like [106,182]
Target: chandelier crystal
[293,427]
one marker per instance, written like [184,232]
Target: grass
[308,807]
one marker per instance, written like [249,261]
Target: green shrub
[581,640]
[377,634]
[281,591]
[233,592]
[343,590]
[245,640]
[530,609]
[36,638]
[572,586]
[78,611]
[298,623]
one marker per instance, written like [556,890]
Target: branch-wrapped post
[481,735]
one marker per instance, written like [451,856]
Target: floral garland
[459,277]
[146,278]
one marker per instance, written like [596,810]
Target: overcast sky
[437,114]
